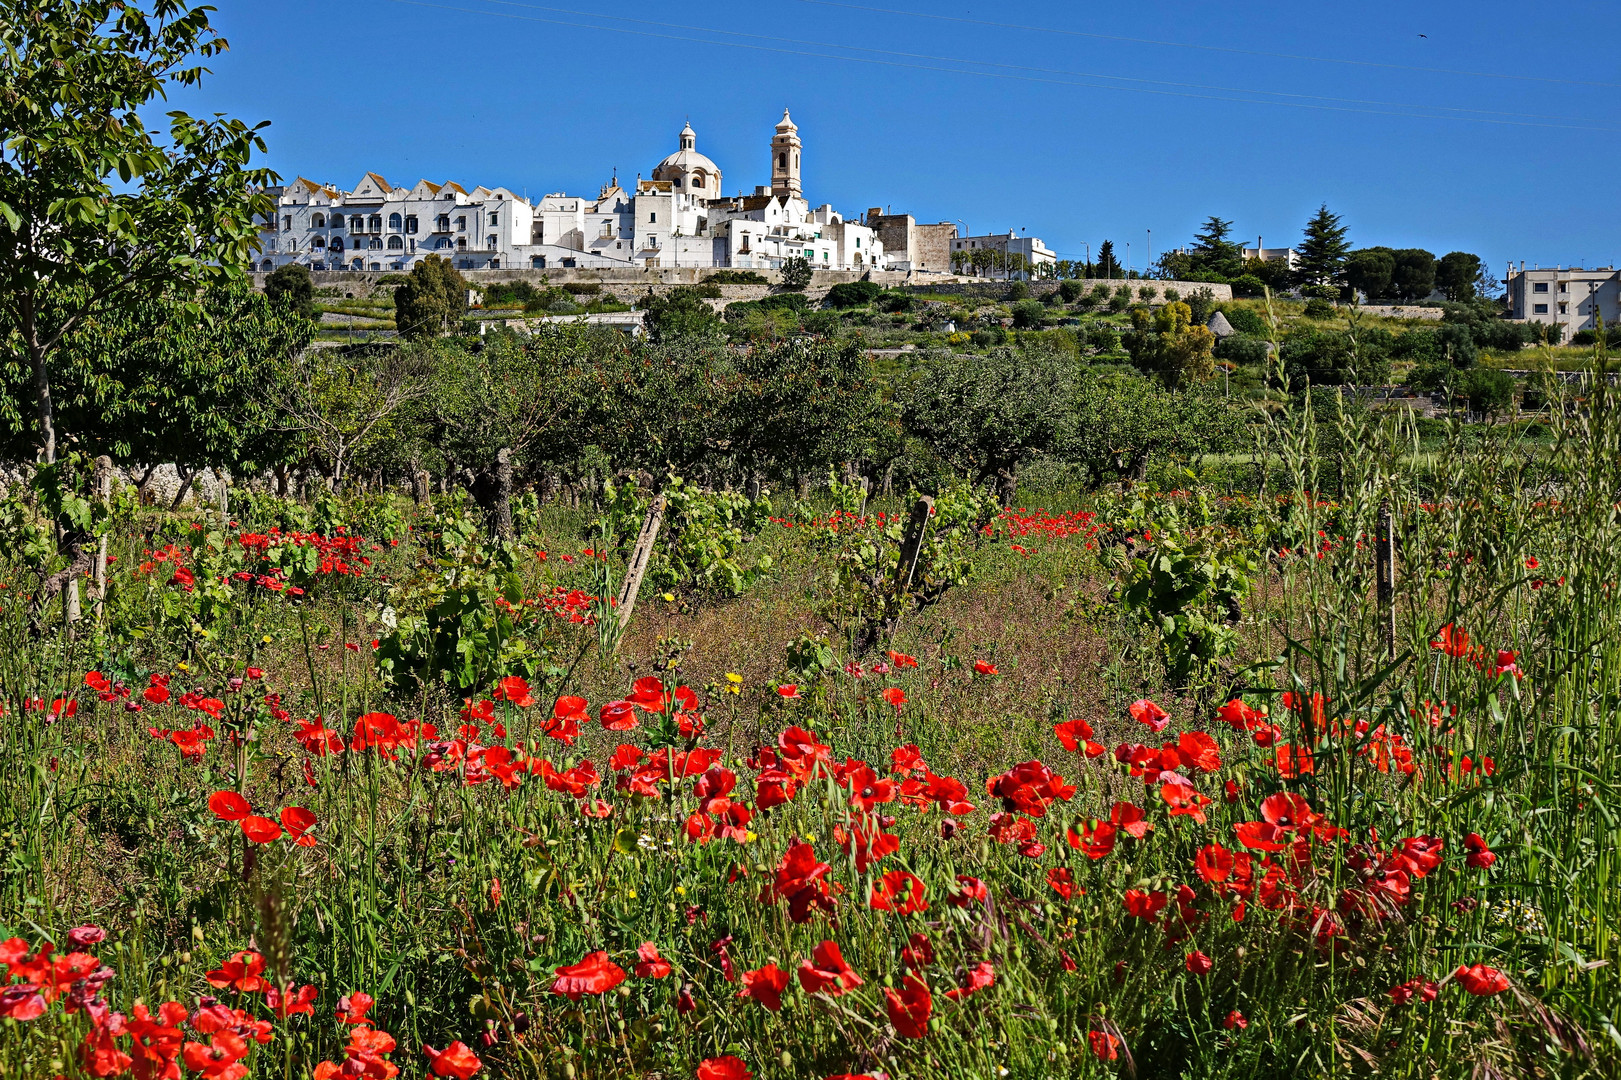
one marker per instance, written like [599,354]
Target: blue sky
[1498,131]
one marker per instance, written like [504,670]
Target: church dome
[689,170]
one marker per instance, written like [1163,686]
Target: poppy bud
[948,829]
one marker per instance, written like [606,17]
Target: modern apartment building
[1570,296]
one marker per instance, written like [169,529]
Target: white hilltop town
[677,217]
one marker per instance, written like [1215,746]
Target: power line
[982,74]
[1213,48]
[1037,70]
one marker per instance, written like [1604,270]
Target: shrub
[1173,296]
[1147,293]
[896,300]
[1028,314]
[1121,298]
[849,294]
[1488,389]
[1242,349]
[292,285]
[736,277]
[1248,285]
[1318,308]
[1070,290]
[582,288]
[1246,320]
[1200,304]
[1018,291]
[709,290]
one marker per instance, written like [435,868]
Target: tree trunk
[142,495]
[754,487]
[44,407]
[419,484]
[225,498]
[503,493]
[186,477]
[1007,483]
[889,479]
[281,473]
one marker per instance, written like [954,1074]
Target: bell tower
[785,147]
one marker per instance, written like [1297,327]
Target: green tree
[431,300]
[337,402]
[292,285]
[1121,420]
[1167,343]
[988,414]
[93,207]
[796,273]
[1323,250]
[1371,271]
[679,313]
[1108,267]
[1213,253]
[1456,275]
[1414,275]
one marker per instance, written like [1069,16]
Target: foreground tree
[93,205]
[1121,421]
[1457,275]
[1168,343]
[292,286]
[1371,271]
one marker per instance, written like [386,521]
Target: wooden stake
[1385,558]
[103,476]
[640,556]
[912,543]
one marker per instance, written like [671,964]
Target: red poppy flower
[901,660]
[515,690]
[1105,1047]
[298,822]
[1198,963]
[802,881]
[1061,881]
[242,973]
[217,1060]
[1076,737]
[970,890]
[789,691]
[261,830]
[1451,640]
[649,964]
[1423,989]
[919,952]
[1095,838]
[1214,863]
[156,694]
[456,1060]
[1480,855]
[723,1068]
[1237,715]
[909,1007]
[899,891]
[595,974]
[618,715]
[1145,905]
[826,972]
[352,1008]
[895,696]
[229,806]
[980,977]
[765,985]
[1236,1021]
[1199,750]
[1146,712]
[1480,980]
[985,667]
[1183,799]
[1130,819]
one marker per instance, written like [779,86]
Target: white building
[1035,253]
[678,217]
[1288,256]
[1570,296]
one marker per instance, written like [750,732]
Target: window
[270,245]
[413,247]
[461,224]
[317,242]
[1541,286]
[442,223]
[318,266]
[1564,309]
[537,262]
[376,266]
[318,221]
[358,264]
[1564,286]
[1540,309]
[652,240]
[491,243]
[287,222]
[442,242]
[267,265]
[495,219]
[411,224]
[396,244]
[461,243]
[376,222]
[653,218]
[336,243]
[495,264]
[782,161]
[394,222]
[375,244]
[357,224]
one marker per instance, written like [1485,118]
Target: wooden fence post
[1385,558]
[912,543]
[103,478]
[640,556]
